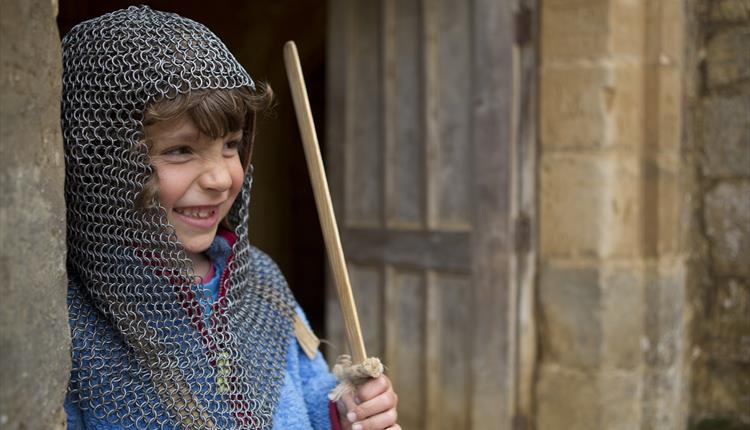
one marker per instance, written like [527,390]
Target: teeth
[195,213]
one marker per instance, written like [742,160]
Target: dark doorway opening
[284,220]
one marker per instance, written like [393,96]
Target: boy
[176,321]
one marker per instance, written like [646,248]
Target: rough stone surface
[571,111]
[577,409]
[728,11]
[570,223]
[594,205]
[594,400]
[623,316]
[574,33]
[720,288]
[728,57]
[619,393]
[644,208]
[725,136]
[569,303]
[725,312]
[625,98]
[34,340]
[664,346]
[722,389]
[721,372]
[727,217]
[611,301]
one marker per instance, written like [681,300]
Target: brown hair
[215,113]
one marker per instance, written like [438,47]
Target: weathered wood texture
[493,295]
[524,201]
[422,163]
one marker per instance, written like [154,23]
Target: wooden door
[426,184]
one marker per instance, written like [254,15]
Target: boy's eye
[232,145]
[177,151]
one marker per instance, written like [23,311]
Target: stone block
[590,205]
[664,345]
[623,318]
[725,136]
[572,108]
[724,331]
[668,126]
[570,307]
[620,395]
[727,220]
[664,225]
[672,20]
[572,196]
[728,11]
[728,57]
[627,28]
[720,390]
[627,108]
[572,31]
[623,206]
[663,398]
[567,399]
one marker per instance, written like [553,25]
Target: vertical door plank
[364,144]
[367,287]
[448,341]
[337,107]
[493,295]
[525,167]
[405,342]
[336,119]
[447,53]
[404,171]
[431,76]
[367,284]
[453,146]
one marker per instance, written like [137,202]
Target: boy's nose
[216,176]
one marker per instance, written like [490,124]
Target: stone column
[34,334]
[612,254]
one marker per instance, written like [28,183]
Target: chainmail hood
[145,354]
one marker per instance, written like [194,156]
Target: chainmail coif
[145,354]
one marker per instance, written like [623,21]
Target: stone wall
[644,290]
[613,229]
[34,335]
[719,106]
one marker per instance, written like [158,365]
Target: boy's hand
[374,407]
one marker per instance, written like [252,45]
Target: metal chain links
[144,353]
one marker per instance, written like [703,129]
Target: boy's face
[199,178]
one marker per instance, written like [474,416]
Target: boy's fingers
[373,388]
[380,421]
[380,404]
[346,406]
[349,402]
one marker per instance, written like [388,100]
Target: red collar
[227,235]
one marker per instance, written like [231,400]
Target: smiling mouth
[199,213]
